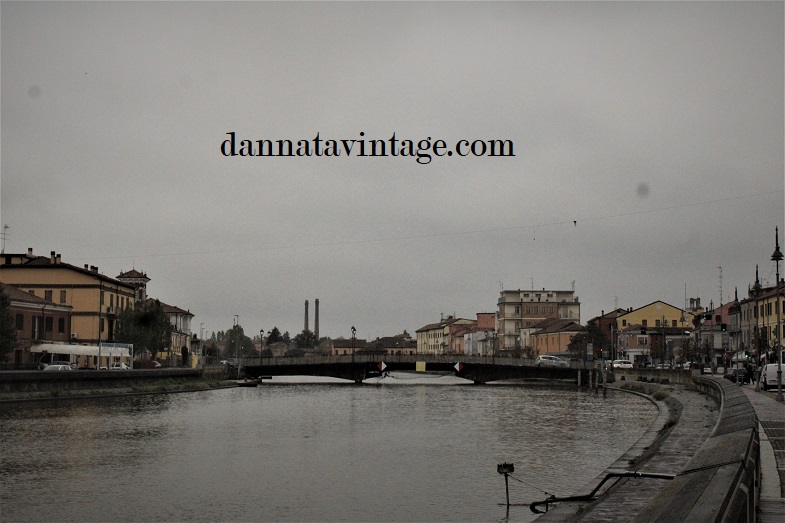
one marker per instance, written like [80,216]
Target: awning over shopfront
[114,350]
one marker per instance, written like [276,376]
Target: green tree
[580,342]
[147,327]
[211,351]
[295,352]
[236,343]
[7,327]
[305,340]
[274,336]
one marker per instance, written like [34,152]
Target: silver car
[550,361]
[56,367]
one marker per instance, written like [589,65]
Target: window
[61,325]
[673,323]
[102,322]
[48,324]
[48,295]
[623,323]
[656,323]
[20,322]
[517,309]
[62,296]
[102,297]
[31,291]
[644,323]
[111,301]
[643,340]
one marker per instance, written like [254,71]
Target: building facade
[183,350]
[95,299]
[757,320]
[437,338]
[647,334]
[37,321]
[553,335]
[522,309]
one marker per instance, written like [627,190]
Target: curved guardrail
[720,483]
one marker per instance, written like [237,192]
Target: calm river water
[422,449]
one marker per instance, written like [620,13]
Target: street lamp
[354,331]
[261,344]
[776,257]
[236,355]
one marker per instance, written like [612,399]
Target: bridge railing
[402,358]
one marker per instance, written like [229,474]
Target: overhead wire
[572,221]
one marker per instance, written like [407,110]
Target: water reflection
[310,452]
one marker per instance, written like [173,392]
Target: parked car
[768,376]
[622,364]
[119,366]
[146,364]
[550,361]
[43,366]
[737,375]
[56,367]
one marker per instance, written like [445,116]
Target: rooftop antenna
[720,304]
[5,235]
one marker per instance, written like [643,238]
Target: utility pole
[5,235]
[720,268]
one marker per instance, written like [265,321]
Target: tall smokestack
[306,316]
[316,319]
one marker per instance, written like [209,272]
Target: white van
[768,376]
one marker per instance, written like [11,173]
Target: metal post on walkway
[506,469]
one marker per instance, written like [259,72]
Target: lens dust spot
[34,92]
[643,190]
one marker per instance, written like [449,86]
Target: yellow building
[656,314]
[95,299]
[635,327]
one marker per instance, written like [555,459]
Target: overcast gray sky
[648,142]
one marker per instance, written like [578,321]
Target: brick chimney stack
[316,319]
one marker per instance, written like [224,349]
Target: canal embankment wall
[713,458]
[721,481]
[42,384]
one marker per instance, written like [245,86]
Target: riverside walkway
[649,499]
[771,423]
